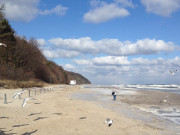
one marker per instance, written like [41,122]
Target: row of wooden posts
[29,93]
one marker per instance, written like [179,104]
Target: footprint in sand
[29,133]
[4,117]
[34,114]
[20,125]
[83,118]
[58,113]
[37,103]
[40,118]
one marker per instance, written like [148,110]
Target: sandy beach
[56,112]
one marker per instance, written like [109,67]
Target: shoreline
[140,104]
[58,112]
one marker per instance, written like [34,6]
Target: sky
[107,41]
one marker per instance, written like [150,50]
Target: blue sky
[107,41]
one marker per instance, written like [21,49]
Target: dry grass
[10,84]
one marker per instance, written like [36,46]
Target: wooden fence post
[29,93]
[5,98]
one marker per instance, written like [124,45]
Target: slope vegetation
[22,60]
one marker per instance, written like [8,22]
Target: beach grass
[10,84]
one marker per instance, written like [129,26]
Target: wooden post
[5,98]
[29,93]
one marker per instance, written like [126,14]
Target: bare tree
[1,11]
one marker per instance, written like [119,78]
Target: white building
[73,82]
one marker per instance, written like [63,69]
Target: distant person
[114,93]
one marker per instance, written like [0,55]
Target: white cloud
[161,7]
[59,10]
[142,61]
[151,46]
[104,12]
[111,61]
[125,3]
[114,47]
[67,54]
[82,62]
[41,42]
[84,44]
[69,67]
[136,70]
[116,61]
[50,53]
[58,53]
[95,3]
[23,10]
[26,10]
[107,59]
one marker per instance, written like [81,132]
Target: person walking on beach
[114,92]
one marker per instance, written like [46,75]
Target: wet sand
[151,98]
[57,112]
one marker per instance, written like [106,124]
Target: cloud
[124,61]
[103,12]
[114,47]
[150,46]
[161,7]
[125,3]
[111,61]
[49,53]
[69,67]
[58,53]
[136,70]
[27,10]
[107,59]
[142,61]
[59,10]
[41,42]
[21,10]
[85,44]
[82,62]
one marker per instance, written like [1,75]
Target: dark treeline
[23,61]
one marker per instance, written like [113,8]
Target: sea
[170,113]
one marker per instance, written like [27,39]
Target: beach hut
[73,82]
